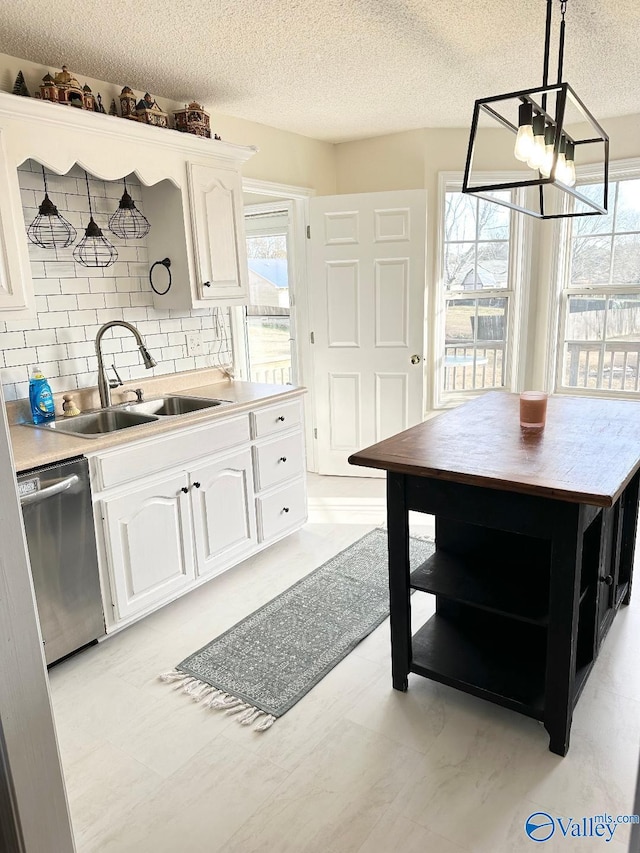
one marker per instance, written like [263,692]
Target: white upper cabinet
[218,234]
[16,292]
[191,193]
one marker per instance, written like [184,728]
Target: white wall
[73,301]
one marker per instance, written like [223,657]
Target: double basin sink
[95,424]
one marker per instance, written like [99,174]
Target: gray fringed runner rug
[262,666]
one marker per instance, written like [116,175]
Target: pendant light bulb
[538,150]
[547,160]
[562,170]
[524,139]
[571,166]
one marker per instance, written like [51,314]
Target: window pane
[594,224]
[626,259]
[493,264]
[591,260]
[628,212]
[475,333]
[459,266]
[493,219]
[460,217]
[268,273]
[269,349]
[603,342]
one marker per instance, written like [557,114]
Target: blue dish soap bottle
[40,398]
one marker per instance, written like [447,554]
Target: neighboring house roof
[273,269]
[483,279]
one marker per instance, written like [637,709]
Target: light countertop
[35,447]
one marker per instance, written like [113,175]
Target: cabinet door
[223,512]
[17,301]
[149,542]
[218,230]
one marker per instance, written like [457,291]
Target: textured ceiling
[332,69]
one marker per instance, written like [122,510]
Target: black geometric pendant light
[49,229]
[127,222]
[94,250]
[553,132]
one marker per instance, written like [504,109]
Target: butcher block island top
[587,453]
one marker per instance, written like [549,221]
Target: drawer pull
[280,418]
[184,489]
[196,485]
[282,459]
[285,509]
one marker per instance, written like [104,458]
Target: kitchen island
[535,537]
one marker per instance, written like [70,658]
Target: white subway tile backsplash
[73,365]
[59,269]
[15,357]
[46,286]
[83,318]
[90,300]
[53,319]
[62,303]
[53,352]
[40,337]
[74,301]
[11,340]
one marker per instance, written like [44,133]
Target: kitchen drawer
[167,451]
[278,460]
[276,419]
[281,510]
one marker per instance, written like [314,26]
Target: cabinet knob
[184,489]
[206,284]
[282,459]
[280,418]
[196,485]
[608,579]
[285,509]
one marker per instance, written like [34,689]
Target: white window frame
[519,274]
[561,254]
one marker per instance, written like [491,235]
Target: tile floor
[355,766]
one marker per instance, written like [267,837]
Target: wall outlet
[195,344]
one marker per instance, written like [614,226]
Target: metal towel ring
[166,263]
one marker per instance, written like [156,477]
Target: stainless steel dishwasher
[58,521]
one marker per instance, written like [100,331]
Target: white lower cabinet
[166,532]
[223,517]
[149,544]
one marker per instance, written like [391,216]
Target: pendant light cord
[86,177]
[563,9]
[44,178]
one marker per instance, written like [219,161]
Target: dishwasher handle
[50,491]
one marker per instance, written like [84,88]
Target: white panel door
[218,227]
[149,536]
[367,307]
[223,512]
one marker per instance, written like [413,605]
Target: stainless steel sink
[174,405]
[95,424]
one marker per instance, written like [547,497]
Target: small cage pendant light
[94,250]
[127,222]
[49,229]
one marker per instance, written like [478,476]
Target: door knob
[415,359]
[206,283]
[196,485]
[184,489]
[608,579]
